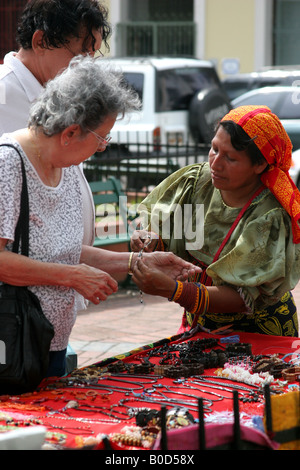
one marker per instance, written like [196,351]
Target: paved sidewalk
[122,323]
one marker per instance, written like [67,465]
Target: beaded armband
[191,296]
[177,292]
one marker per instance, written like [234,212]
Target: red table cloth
[77,413]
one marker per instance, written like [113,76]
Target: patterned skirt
[279,320]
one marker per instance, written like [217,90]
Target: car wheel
[206,109]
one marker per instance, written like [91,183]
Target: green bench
[110,203]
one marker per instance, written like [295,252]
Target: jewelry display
[181,377]
[240,374]
[239,349]
[291,374]
[147,429]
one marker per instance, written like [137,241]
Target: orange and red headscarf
[275,145]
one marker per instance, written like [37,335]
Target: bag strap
[22,228]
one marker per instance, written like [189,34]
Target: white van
[181,100]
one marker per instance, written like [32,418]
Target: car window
[176,87]
[294,133]
[290,108]
[234,89]
[136,81]
[266,99]
[261,82]
[285,104]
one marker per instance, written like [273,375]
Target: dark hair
[241,141]
[60,20]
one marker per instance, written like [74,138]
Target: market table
[176,384]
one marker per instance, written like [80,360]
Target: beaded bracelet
[193,297]
[177,292]
[291,374]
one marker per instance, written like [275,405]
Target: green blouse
[260,259]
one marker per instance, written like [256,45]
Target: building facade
[237,35]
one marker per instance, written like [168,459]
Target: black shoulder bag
[25,332]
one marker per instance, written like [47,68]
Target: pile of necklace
[131,393]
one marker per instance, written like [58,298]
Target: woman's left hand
[156,273]
[171,265]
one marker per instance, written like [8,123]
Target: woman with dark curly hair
[61,21]
[50,33]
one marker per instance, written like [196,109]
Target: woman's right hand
[93,284]
[141,238]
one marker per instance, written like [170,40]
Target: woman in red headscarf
[250,245]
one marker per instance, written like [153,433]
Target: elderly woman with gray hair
[69,122]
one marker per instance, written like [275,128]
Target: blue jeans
[57,363]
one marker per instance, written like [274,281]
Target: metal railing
[141,171]
[156,38]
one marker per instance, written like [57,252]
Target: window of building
[157,27]
[161,10]
[286,32]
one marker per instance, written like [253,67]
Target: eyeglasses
[96,54]
[103,142]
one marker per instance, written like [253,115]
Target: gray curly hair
[85,93]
